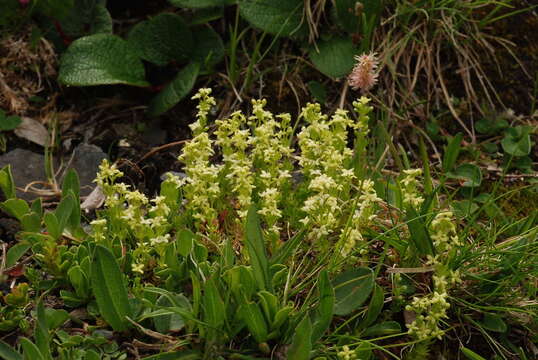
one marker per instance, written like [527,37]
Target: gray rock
[28,167]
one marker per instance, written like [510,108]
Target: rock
[28,167]
[86,160]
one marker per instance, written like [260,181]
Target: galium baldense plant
[269,242]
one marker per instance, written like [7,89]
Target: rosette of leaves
[102,58]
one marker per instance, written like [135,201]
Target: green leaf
[277,17]
[185,240]
[255,246]
[209,49]
[374,308]
[334,57]
[382,329]
[318,91]
[16,252]
[162,39]
[251,314]
[469,173]
[30,350]
[325,308]
[286,250]
[87,17]
[101,59]
[79,280]
[31,222]
[64,210]
[172,322]
[301,344]
[214,309]
[464,208]
[175,355]
[420,237]
[109,289]
[200,3]
[174,92]
[348,15]
[53,225]
[471,355]
[8,123]
[517,141]
[6,182]
[71,185]
[8,353]
[15,207]
[351,289]
[494,323]
[42,335]
[452,152]
[54,8]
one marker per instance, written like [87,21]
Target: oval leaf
[109,289]
[334,57]
[469,173]
[100,60]
[351,289]
[209,49]
[278,17]
[175,91]
[162,39]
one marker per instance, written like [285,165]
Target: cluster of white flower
[202,188]
[432,308]
[346,353]
[325,160]
[234,141]
[410,192]
[363,215]
[270,155]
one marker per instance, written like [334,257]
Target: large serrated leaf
[334,57]
[109,289]
[209,49]
[180,87]
[200,3]
[351,289]
[278,17]
[162,39]
[101,59]
[87,17]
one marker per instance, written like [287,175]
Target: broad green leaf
[281,316]
[55,318]
[15,207]
[349,12]
[200,3]
[30,350]
[214,308]
[251,314]
[452,151]
[87,17]
[65,209]
[109,289]
[469,173]
[471,355]
[209,49]
[351,289]
[334,57]
[185,240]
[494,323]
[6,182]
[91,355]
[31,222]
[101,59]
[53,225]
[162,39]
[318,91]
[464,208]
[277,17]
[173,322]
[16,252]
[8,123]
[255,246]
[325,308]
[382,329]
[79,280]
[301,344]
[205,15]
[174,92]
[517,141]
[241,282]
[269,305]
[54,9]
[8,353]
[71,185]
